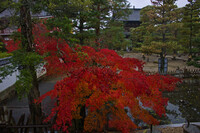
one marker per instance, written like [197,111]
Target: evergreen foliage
[190,31]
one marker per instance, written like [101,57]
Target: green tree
[190,30]
[28,78]
[143,36]
[87,20]
[113,37]
[4,22]
[104,13]
[156,28]
[70,17]
[165,10]
[174,45]
[26,58]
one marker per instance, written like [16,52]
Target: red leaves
[12,45]
[103,82]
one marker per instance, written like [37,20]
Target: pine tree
[190,30]
[104,13]
[4,22]
[27,59]
[113,37]
[157,22]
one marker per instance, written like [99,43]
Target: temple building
[132,21]
[6,29]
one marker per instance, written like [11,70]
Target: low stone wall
[10,91]
[7,93]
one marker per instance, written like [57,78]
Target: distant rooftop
[6,13]
[10,12]
[134,16]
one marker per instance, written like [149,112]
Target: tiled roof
[134,16]
[6,13]
[10,12]
[8,30]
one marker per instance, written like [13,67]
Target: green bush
[5,54]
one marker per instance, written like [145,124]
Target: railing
[182,73]
[5,61]
[7,31]
[9,125]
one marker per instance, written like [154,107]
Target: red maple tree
[101,83]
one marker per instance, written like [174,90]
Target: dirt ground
[163,130]
[152,65]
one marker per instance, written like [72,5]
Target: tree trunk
[97,28]
[27,46]
[81,31]
[83,115]
[190,41]
[163,50]
[35,109]
[162,61]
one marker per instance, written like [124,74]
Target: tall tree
[113,37]
[190,30]
[105,12]
[160,28]
[28,49]
[4,22]
[142,36]
[26,58]
[157,21]
[70,17]
[87,19]
[164,16]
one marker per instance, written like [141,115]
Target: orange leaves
[121,121]
[95,120]
[76,113]
[82,90]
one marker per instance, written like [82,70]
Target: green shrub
[5,54]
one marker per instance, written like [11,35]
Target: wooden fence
[182,73]
[5,61]
[9,125]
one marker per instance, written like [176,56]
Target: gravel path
[152,65]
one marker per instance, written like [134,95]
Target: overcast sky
[143,3]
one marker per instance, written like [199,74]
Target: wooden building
[132,21]
[9,29]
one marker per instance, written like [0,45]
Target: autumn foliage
[101,82]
